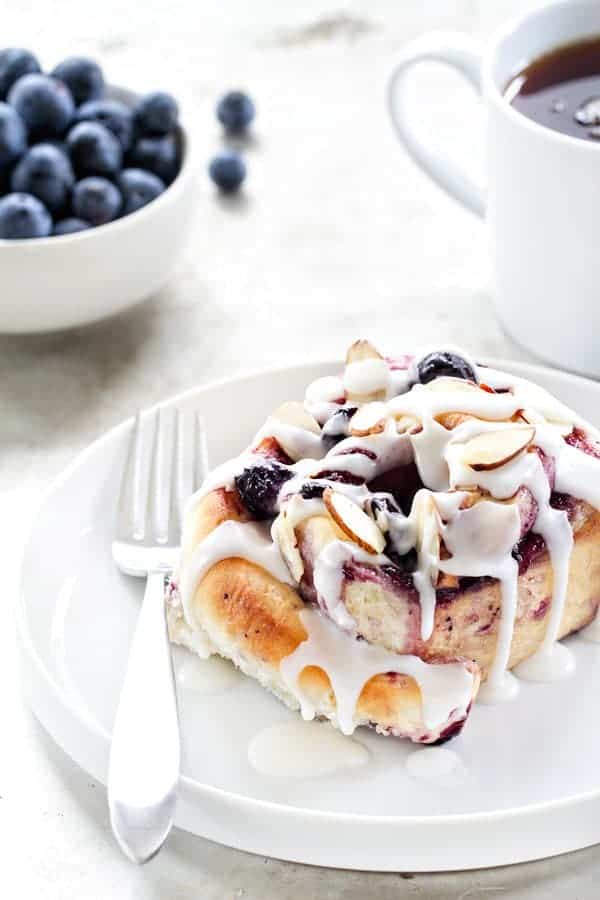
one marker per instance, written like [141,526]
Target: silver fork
[145,749]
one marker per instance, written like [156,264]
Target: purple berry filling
[259,486]
[312,490]
[389,576]
[528,549]
[565,502]
[340,476]
[362,451]
[402,483]
[578,438]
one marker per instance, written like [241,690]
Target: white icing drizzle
[480,539]
[230,539]
[304,750]
[221,477]
[350,664]
[367,376]
[553,525]
[432,762]
[390,449]
[205,676]
[328,579]
[552,663]
[578,474]
[298,442]
[399,381]
[325,390]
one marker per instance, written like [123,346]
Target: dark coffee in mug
[561,90]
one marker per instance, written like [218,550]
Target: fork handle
[145,750]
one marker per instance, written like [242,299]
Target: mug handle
[462,54]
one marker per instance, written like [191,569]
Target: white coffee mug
[542,198]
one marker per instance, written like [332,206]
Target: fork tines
[166,462]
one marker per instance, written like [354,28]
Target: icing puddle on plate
[304,750]
[433,762]
[205,676]
[437,768]
[315,749]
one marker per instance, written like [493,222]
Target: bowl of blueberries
[97,193]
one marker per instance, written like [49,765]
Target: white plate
[528,780]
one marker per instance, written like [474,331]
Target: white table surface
[336,236]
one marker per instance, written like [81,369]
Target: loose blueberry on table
[228,171]
[72,158]
[235,111]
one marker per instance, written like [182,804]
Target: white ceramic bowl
[53,283]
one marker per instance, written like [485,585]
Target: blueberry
[70,226]
[138,188]
[94,149]
[46,173]
[159,155]
[227,170]
[312,490]
[96,200]
[235,111]
[44,103]
[23,216]
[444,363]
[156,113]
[82,76]
[113,114]
[15,62]
[259,486]
[59,144]
[13,135]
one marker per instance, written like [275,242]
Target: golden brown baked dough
[253,619]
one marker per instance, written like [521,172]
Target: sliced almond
[354,522]
[270,447]
[366,380]
[361,350]
[284,535]
[561,428]
[407,424]
[471,498]
[370,419]
[495,448]
[529,416]
[428,534]
[447,384]
[451,420]
[328,389]
[294,413]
